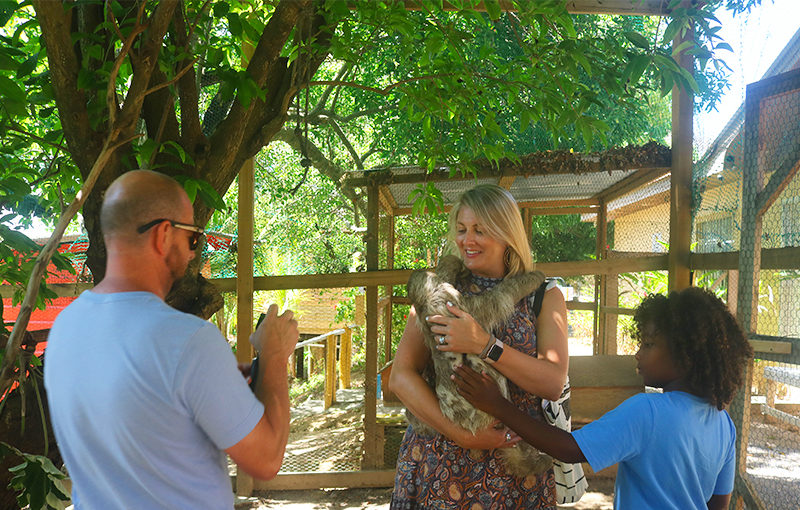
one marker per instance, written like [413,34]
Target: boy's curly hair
[704,338]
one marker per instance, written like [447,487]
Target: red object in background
[40,319]
[43,319]
[75,248]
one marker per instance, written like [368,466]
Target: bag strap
[538,297]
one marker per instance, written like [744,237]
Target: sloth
[429,292]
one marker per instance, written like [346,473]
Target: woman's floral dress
[435,473]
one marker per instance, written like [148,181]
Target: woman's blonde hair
[499,214]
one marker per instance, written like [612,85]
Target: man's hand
[277,334]
[480,390]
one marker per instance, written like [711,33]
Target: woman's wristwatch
[491,353]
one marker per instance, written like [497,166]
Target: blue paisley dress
[435,473]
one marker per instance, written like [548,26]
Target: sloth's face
[482,254]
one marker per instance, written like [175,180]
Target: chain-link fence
[747,199]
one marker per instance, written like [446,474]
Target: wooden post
[749,269]
[527,221]
[317,359]
[244,277]
[733,291]
[680,218]
[244,265]
[387,311]
[600,317]
[300,363]
[371,376]
[609,291]
[345,357]
[330,371]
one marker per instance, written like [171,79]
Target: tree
[195,88]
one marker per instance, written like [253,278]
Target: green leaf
[145,151]
[234,25]
[637,66]
[46,112]
[637,39]
[18,467]
[54,501]
[493,9]
[723,46]
[172,147]
[666,63]
[6,61]
[210,195]
[11,90]
[7,9]
[584,62]
[220,9]
[86,79]
[667,82]
[586,132]
[689,80]
[671,31]
[191,188]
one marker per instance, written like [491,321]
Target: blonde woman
[455,468]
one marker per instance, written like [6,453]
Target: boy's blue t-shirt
[674,450]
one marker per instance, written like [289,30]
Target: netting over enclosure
[747,200]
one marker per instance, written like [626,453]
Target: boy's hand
[480,390]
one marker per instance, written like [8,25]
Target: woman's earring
[507,257]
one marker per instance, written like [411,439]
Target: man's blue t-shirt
[674,451]
[144,400]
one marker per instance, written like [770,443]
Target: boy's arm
[482,392]
[719,502]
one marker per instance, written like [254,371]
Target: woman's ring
[441,340]
[508,437]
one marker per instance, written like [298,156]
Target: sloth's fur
[429,292]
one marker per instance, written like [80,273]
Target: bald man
[146,400]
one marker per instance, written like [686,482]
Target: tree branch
[231,132]
[111,92]
[17,129]
[158,110]
[323,100]
[349,146]
[324,165]
[42,260]
[385,90]
[55,22]
[148,57]
[188,95]
[173,80]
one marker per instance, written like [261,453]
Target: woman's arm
[407,383]
[544,375]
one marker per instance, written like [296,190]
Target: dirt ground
[598,497]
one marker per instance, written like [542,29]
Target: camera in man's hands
[254,364]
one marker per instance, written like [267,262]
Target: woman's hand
[460,333]
[493,436]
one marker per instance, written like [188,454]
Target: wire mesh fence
[748,199]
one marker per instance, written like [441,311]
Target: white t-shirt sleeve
[618,435]
[213,391]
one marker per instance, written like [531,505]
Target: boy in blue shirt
[676,449]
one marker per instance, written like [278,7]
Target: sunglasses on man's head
[194,239]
